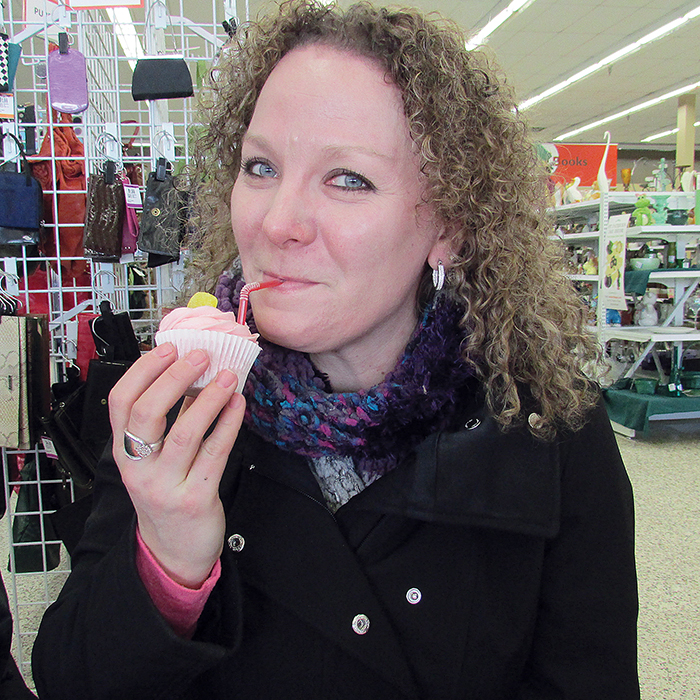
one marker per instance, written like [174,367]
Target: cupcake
[200,325]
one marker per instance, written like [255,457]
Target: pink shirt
[179,605]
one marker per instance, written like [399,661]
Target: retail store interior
[609,90]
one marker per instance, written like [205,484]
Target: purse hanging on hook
[67,73]
[21,203]
[161,78]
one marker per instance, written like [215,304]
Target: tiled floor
[665,472]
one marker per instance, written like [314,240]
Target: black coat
[490,566]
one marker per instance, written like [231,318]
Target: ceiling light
[660,135]
[497,21]
[126,33]
[631,110]
[612,58]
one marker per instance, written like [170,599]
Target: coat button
[472,423]
[236,542]
[360,624]
[535,420]
[413,596]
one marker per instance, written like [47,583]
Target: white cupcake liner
[225,352]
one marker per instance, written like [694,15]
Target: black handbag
[161,78]
[33,550]
[62,428]
[78,424]
[164,216]
[114,335]
[21,200]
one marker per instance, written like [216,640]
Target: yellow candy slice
[202,299]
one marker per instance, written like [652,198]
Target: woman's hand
[175,490]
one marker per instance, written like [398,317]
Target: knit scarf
[288,402]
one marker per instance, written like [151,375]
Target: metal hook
[100,146]
[164,151]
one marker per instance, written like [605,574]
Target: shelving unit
[594,216]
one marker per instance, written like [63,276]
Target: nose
[289,219]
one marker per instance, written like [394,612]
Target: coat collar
[476,475]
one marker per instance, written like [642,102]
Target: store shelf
[584,278]
[657,334]
[633,411]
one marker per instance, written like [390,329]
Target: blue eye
[348,180]
[258,168]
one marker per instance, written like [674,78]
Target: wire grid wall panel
[116,127]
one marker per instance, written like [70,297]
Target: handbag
[21,198]
[67,73]
[24,356]
[78,424]
[115,340]
[14,51]
[14,406]
[104,216]
[4,63]
[161,78]
[44,555]
[18,237]
[62,430]
[164,216]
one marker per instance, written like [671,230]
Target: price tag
[132,195]
[7,105]
[49,447]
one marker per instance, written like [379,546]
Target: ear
[442,251]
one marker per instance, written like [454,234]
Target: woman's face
[326,201]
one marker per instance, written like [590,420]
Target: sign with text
[38,11]
[91,4]
[569,160]
[612,293]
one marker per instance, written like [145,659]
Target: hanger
[165,152]
[109,155]
[9,304]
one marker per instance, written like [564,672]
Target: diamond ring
[135,448]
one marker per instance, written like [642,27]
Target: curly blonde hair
[524,323]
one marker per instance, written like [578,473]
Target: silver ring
[135,448]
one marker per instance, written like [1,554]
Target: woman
[420,496]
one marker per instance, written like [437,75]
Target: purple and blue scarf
[289,403]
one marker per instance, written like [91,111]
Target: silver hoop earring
[439,276]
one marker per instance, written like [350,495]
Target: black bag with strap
[21,204]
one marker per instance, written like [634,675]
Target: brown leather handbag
[104,216]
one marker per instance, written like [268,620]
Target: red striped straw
[245,293]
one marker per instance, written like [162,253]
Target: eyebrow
[333,150]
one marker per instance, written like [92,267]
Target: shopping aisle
[665,472]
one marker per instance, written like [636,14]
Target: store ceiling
[547,42]
[550,40]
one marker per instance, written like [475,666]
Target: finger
[214,451]
[147,416]
[184,440]
[135,381]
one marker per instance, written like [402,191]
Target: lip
[288,281]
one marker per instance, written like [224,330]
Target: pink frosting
[205,318]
